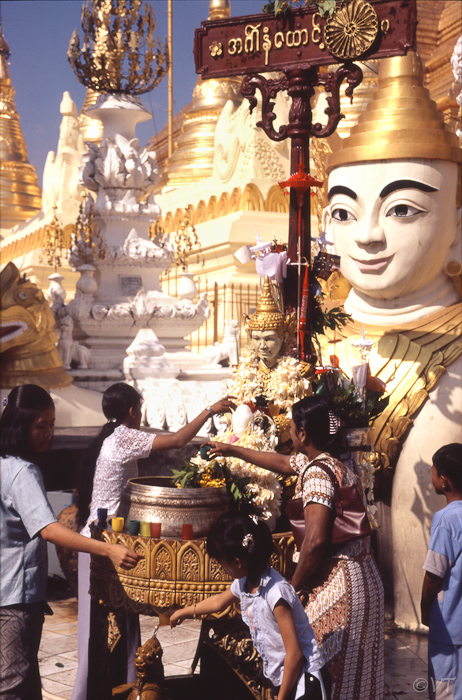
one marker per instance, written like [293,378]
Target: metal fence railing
[226,302]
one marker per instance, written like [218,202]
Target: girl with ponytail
[113,459]
[27,523]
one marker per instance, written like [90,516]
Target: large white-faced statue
[394,227]
[395,219]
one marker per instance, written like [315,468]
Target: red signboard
[300,38]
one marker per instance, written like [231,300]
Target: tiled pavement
[405,653]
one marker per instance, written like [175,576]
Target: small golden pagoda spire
[91,129]
[20,194]
[219,9]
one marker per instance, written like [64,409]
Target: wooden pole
[301,89]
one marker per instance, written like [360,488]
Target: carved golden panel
[171,573]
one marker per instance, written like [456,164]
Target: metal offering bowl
[155,499]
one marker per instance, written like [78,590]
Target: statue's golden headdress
[268,316]
[400,122]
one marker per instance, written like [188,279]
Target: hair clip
[5,402]
[248,539]
[254,518]
[334,423]
[112,420]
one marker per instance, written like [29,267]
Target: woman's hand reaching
[225,405]
[219,449]
[122,556]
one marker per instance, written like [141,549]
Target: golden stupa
[192,158]
[20,194]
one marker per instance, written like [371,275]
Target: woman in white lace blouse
[113,459]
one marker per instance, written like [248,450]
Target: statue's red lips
[374,265]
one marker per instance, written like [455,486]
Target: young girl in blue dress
[270,608]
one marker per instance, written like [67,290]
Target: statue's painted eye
[340,214]
[22,296]
[403,210]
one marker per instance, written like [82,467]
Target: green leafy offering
[334,318]
[216,474]
[349,407]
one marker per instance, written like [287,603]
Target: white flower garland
[282,385]
[265,485]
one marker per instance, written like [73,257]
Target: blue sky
[38,34]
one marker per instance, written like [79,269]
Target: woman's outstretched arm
[119,554]
[185,434]
[272,461]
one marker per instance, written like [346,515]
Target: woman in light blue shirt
[27,523]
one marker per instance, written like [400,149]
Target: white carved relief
[241,150]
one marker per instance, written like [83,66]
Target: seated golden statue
[264,385]
[269,381]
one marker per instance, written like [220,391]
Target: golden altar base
[171,573]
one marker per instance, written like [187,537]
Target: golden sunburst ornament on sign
[352,29]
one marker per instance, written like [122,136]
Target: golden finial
[117,34]
[55,244]
[268,316]
[4,48]
[219,9]
[400,122]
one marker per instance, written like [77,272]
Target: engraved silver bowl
[155,499]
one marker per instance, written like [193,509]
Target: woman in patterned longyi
[345,593]
[113,460]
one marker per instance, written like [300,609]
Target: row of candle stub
[137,527]
[145,529]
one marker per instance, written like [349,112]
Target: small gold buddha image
[269,380]
[264,386]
